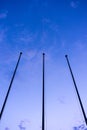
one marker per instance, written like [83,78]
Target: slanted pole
[3,107]
[43,101]
[82,108]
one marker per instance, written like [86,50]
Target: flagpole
[43,108]
[3,107]
[82,108]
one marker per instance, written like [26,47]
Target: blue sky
[56,27]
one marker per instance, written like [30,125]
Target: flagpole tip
[66,56]
[43,53]
[21,53]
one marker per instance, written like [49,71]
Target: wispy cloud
[19,25]
[30,54]
[74,4]
[26,37]
[81,46]
[51,25]
[3,15]
[43,37]
[2,34]
[50,33]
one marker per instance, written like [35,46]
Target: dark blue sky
[58,19]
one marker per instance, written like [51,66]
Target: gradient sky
[56,27]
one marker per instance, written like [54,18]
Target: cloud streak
[26,37]
[74,4]
[50,25]
[2,34]
[3,15]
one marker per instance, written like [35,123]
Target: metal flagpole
[82,108]
[43,108]
[3,107]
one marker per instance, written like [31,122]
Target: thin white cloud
[74,4]
[29,54]
[43,37]
[2,34]
[26,37]
[81,46]
[3,15]
[19,25]
[51,25]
